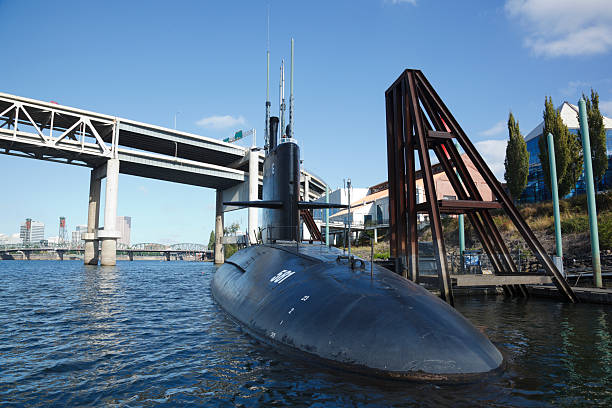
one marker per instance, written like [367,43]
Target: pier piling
[219,256]
[93,218]
[108,236]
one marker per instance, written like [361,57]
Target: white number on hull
[281,276]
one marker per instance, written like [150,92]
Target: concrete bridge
[143,248]
[110,145]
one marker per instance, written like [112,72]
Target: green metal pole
[461,235]
[588,175]
[327,216]
[555,194]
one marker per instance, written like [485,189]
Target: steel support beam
[400,147]
[392,174]
[495,186]
[430,191]
[412,244]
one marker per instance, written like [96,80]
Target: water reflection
[149,333]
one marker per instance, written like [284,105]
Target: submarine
[312,301]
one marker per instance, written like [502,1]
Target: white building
[339,196]
[76,234]
[124,226]
[13,239]
[32,232]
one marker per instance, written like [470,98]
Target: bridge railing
[56,127]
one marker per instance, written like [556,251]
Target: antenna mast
[268,104]
[290,132]
[282,99]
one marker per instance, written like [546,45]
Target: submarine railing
[284,234]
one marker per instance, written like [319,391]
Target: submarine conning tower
[280,201]
[281,183]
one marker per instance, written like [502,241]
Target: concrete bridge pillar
[253,194]
[109,234]
[168,258]
[60,254]
[131,255]
[306,188]
[219,255]
[93,218]
[27,254]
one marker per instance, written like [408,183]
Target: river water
[149,333]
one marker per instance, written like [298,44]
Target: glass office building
[536,189]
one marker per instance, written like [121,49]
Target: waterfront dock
[585,295]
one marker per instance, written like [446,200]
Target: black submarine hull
[310,302]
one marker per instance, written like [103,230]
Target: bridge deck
[48,131]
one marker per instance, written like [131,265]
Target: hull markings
[281,276]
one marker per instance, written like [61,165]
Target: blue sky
[148,60]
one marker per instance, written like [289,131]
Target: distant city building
[54,241]
[339,196]
[536,189]
[10,239]
[371,205]
[63,231]
[76,234]
[124,226]
[371,210]
[32,232]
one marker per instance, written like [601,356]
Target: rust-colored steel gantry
[418,119]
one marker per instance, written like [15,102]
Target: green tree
[568,150]
[517,159]
[597,136]
[211,240]
[232,229]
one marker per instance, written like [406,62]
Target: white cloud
[605,107]
[221,122]
[494,153]
[496,129]
[564,27]
[413,2]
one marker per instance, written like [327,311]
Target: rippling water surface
[149,333]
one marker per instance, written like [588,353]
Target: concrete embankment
[53,256]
